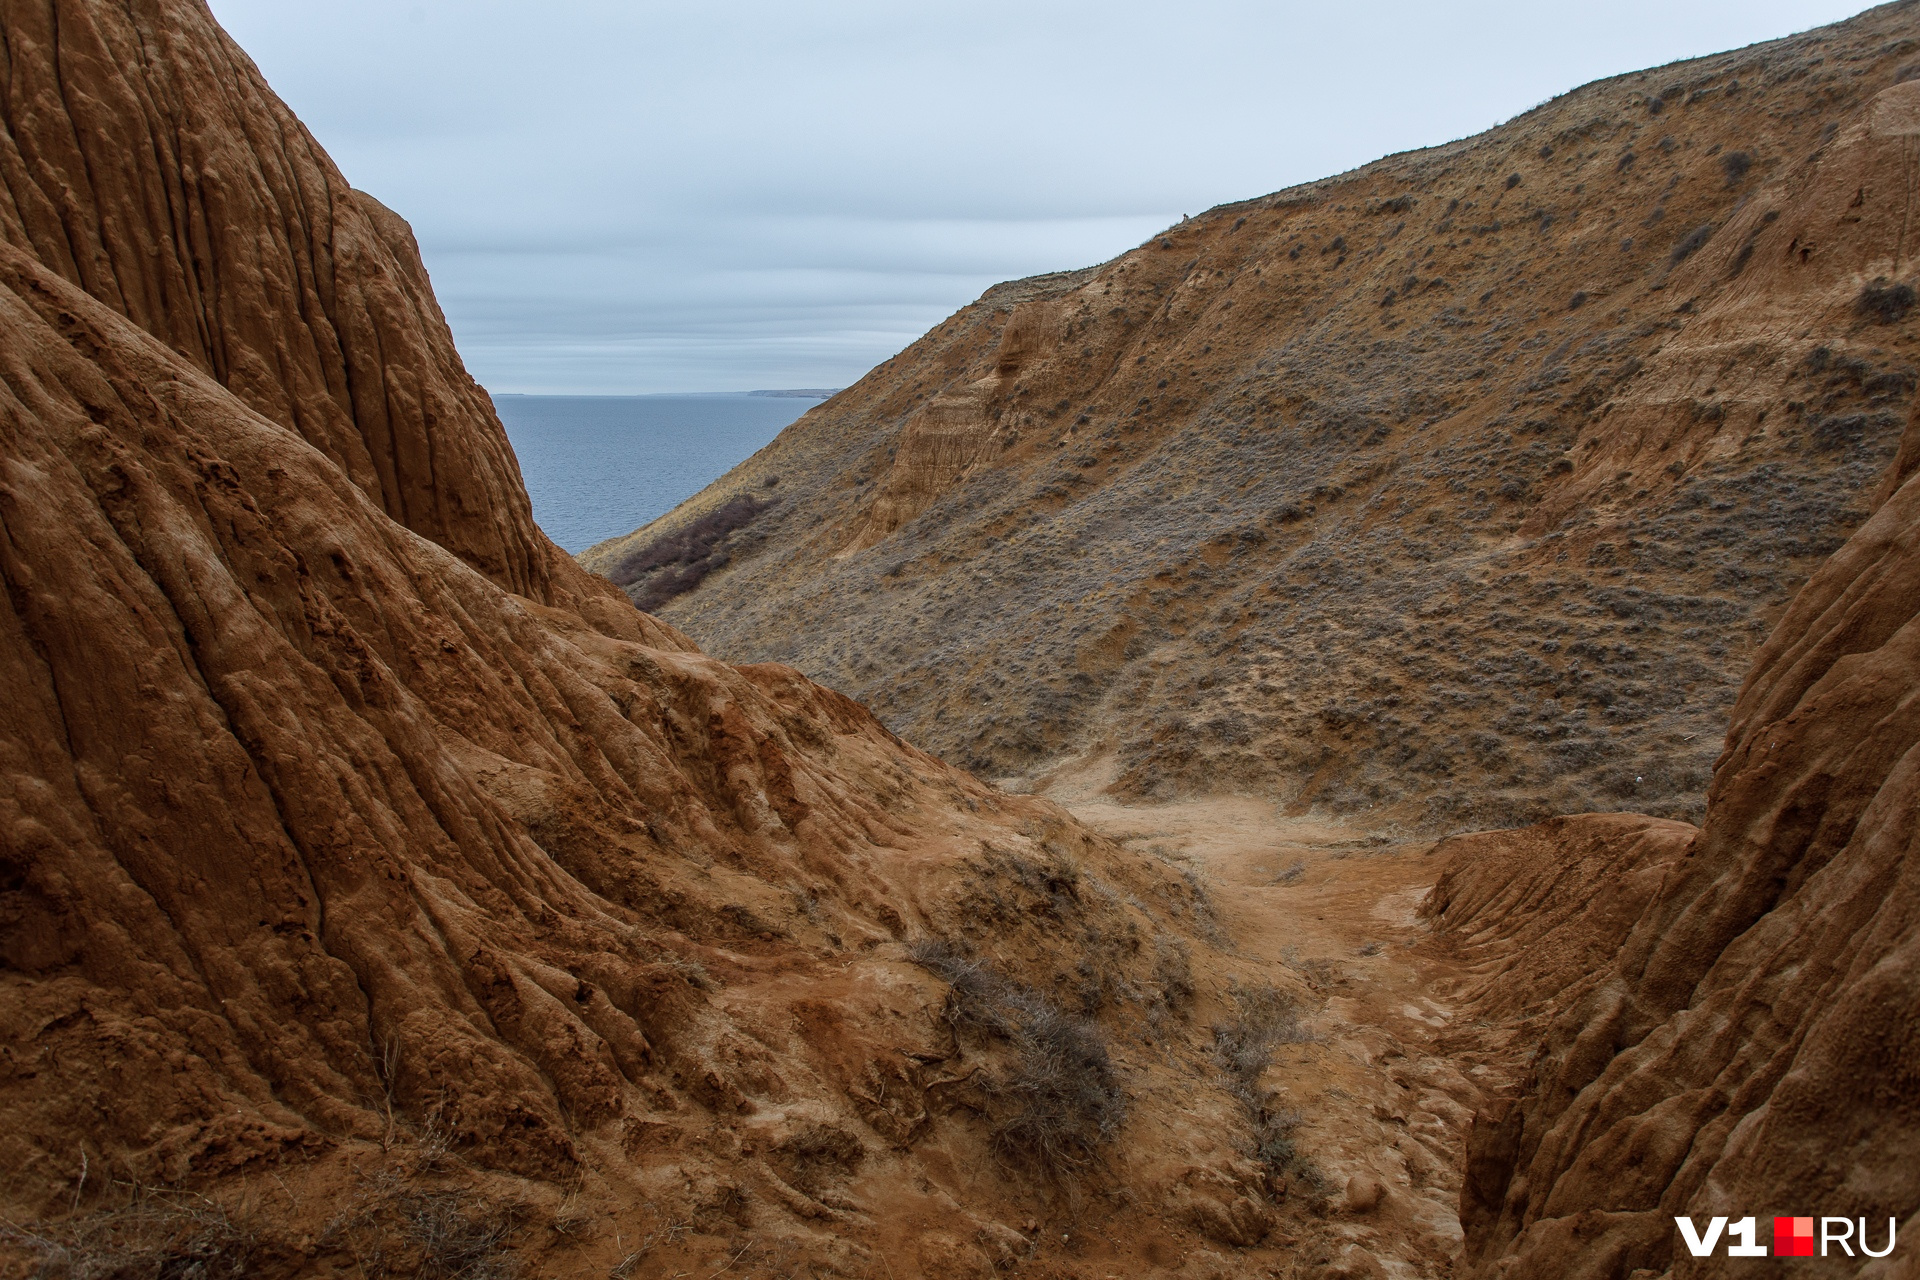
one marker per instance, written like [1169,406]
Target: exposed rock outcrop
[1521,905]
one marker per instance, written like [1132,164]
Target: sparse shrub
[153,1236]
[1274,1147]
[1062,1099]
[1689,244]
[1173,970]
[1205,919]
[1893,382]
[1735,165]
[395,1226]
[1264,1019]
[1885,302]
[457,1237]
[1513,180]
[1840,430]
[1066,1099]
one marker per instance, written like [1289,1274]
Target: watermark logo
[1792,1237]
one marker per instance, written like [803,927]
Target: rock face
[1521,905]
[342,817]
[1750,1048]
[146,162]
[1462,486]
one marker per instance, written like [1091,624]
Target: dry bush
[1264,1019]
[396,1227]
[157,1235]
[1060,1100]
[1885,302]
[1689,244]
[1173,970]
[680,561]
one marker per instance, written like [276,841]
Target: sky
[637,197]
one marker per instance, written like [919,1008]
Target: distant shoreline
[795,393]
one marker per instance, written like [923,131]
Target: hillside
[1458,489]
[381,894]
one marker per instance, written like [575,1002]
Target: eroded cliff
[147,162]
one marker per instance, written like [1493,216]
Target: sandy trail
[1335,905]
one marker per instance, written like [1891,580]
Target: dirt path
[1335,906]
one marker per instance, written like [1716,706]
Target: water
[600,466]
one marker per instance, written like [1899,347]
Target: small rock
[1003,1246]
[1364,1193]
[943,1257]
[1354,1263]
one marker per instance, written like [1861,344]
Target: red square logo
[1793,1237]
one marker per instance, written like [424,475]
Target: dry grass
[155,1235]
[396,1226]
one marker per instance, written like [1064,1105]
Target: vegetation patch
[155,1234]
[1885,301]
[1060,1100]
[1689,244]
[398,1225]
[1264,1018]
[675,564]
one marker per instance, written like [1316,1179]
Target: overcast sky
[732,194]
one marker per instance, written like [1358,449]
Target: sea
[600,466]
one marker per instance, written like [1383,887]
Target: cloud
[627,197]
